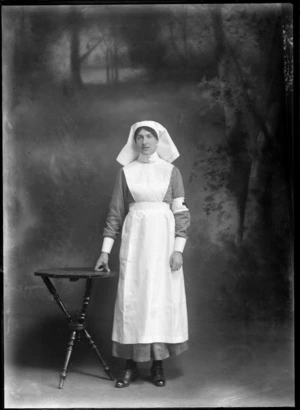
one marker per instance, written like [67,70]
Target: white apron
[151,304]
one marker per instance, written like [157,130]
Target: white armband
[179,244]
[107,244]
[179,205]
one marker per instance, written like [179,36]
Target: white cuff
[179,244]
[107,244]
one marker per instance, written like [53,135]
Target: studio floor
[227,365]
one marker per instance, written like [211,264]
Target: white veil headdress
[166,148]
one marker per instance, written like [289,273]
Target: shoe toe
[126,377]
[157,377]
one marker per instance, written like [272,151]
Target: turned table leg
[63,374]
[92,343]
[85,302]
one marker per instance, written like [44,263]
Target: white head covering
[166,148]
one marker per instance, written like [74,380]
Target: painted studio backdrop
[219,78]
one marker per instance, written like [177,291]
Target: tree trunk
[223,71]
[109,73]
[173,42]
[107,65]
[250,173]
[74,55]
[260,179]
[240,166]
[115,61]
[185,36]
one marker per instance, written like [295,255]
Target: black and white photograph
[148,205]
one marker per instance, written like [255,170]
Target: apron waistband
[148,205]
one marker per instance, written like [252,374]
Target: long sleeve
[180,210]
[116,212]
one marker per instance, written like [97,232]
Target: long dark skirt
[145,352]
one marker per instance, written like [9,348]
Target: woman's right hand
[102,263]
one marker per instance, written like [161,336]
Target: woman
[150,317]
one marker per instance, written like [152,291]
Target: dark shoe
[126,377]
[157,376]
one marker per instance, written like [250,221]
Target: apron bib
[151,304]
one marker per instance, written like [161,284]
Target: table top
[73,273]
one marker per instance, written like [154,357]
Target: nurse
[149,208]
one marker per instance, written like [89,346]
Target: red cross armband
[179,205]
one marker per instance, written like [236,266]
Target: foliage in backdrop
[220,75]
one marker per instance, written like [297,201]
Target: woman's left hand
[176,260]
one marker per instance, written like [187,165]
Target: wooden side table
[77,323]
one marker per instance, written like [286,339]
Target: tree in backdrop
[235,52]
[142,32]
[32,32]
[250,88]
[109,24]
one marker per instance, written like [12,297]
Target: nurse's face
[146,142]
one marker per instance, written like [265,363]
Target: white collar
[148,158]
